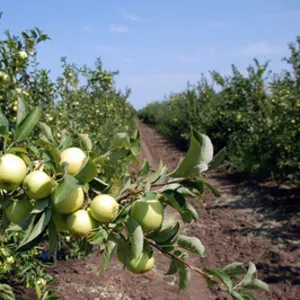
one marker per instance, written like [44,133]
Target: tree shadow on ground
[276,208]
[278,273]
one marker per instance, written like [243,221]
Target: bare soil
[249,222]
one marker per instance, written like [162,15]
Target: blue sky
[158,45]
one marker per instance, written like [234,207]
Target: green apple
[4,77]
[18,210]
[22,55]
[149,214]
[71,203]
[74,157]
[81,223]
[139,265]
[12,171]
[104,208]
[60,221]
[37,185]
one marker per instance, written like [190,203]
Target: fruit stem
[39,164]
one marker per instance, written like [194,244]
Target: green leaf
[88,171]
[213,189]
[175,199]
[109,250]
[115,188]
[135,143]
[66,140]
[99,237]
[196,187]
[124,213]
[249,276]
[237,296]
[165,235]
[234,269]
[37,230]
[217,160]
[53,238]
[6,292]
[172,268]
[26,127]
[184,275]
[4,125]
[221,276]
[22,111]
[99,184]
[68,185]
[87,144]
[135,237]
[121,140]
[40,205]
[51,150]
[163,176]
[200,153]
[246,296]
[192,244]
[17,150]
[144,169]
[26,160]
[257,284]
[189,214]
[46,130]
[155,176]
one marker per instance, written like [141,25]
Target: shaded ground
[248,223]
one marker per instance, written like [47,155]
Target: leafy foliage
[256,116]
[90,116]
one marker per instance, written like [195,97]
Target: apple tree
[58,180]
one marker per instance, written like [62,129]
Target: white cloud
[132,17]
[118,28]
[260,48]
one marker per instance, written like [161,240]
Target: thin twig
[197,270]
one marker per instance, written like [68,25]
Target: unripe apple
[81,222]
[37,185]
[139,265]
[74,157]
[12,171]
[18,210]
[104,208]
[22,55]
[149,214]
[60,221]
[71,203]
[25,93]
[4,77]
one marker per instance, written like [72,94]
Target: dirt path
[246,223]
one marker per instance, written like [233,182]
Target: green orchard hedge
[256,116]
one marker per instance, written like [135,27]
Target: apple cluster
[68,214]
